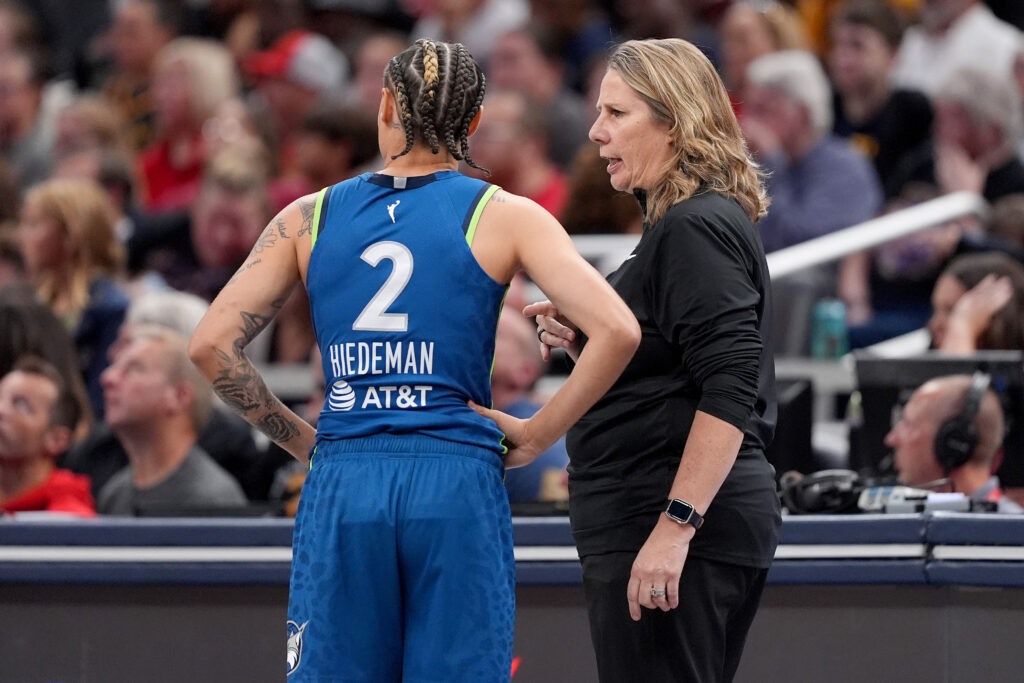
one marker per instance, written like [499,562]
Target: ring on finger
[657,592]
[539,333]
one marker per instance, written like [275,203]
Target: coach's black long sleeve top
[698,284]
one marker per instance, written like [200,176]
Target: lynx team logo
[295,645]
[341,398]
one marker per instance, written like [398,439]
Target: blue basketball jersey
[404,315]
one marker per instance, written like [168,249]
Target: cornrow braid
[464,128]
[404,108]
[428,101]
[457,80]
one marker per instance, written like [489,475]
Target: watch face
[684,513]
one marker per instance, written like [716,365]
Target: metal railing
[876,231]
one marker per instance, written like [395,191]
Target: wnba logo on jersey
[295,645]
[342,398]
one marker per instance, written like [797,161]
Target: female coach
[667,471]
[402,566]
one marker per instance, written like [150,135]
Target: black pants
[698,642]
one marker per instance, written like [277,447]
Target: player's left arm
[244,307]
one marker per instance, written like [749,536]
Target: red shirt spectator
[62,491]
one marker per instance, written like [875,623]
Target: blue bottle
[828,330]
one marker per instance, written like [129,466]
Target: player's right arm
[516,233]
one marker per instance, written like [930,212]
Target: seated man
[156,403]
[226,437]
[952,428]
[38,414]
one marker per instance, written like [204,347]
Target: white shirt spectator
[480,30]
[977,38]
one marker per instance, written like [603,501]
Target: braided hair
[438,88]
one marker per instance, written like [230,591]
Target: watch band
[683,513]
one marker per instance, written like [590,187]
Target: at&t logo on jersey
[342,398]
[295,645]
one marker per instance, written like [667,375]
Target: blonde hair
[102,120]
[86,216]
[684,91]
[212,77]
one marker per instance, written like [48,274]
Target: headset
[821,492]
[957,437]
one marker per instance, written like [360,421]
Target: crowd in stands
[145,145]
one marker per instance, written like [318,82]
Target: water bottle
[828,330]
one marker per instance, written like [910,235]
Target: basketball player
[402,566]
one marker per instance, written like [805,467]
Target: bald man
[913,441]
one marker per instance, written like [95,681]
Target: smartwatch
[682,512]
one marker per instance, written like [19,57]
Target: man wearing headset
[952,428]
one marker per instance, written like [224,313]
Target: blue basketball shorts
[402,565]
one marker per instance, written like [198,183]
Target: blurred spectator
[30,328]
[334,142]
[750,30]
[153,241]
[192,77]
[512,145]
[228,216]
[228,222]
[517,367]
[886,125]
[474,23]
[74,259]
[978,121]
[157,402]
[226,437]
[141,28]
[26,141]
[917,432]
[817,184]
[527,61]
[593,205]
[90,122]
[18,29]
[953,34]
[292,75]
[38,414]
[371,59]
[978,304]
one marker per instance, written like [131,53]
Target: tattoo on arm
[277,229]
[308,208]
[277,427]
[242,388]
[245,266]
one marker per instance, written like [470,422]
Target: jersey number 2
[374,317]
